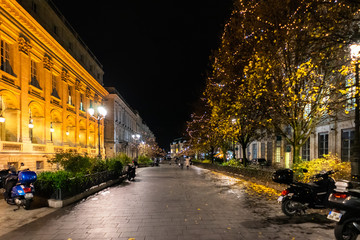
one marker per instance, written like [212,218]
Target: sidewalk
[11,220]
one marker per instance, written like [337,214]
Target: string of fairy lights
[263,25]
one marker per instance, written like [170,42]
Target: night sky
[155,52]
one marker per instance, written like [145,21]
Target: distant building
[122,123]
[177,146]
[48,80]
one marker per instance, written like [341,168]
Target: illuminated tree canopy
[282,65]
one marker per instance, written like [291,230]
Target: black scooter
[345,201]
[300,196]
[131,172]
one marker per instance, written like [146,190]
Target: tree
[201,138]
[301,63]
[289,57]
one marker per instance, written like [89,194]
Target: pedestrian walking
[187,162]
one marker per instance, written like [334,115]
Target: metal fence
[75,185]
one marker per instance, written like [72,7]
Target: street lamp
[355,171]
[136,137]
[98,115]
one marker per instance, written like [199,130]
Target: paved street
[169,203]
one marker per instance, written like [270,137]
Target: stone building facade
[48,80]
[122,123]
[331,137]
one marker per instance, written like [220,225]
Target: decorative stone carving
[88,92]
[77,85]
[24,46]
[65,75]
[96,98]
[48,63]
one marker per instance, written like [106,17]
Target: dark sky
[155,52]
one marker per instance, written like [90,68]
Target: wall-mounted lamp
[51,128]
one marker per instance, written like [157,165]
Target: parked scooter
[300,196]
[19,188]
[345,201]
[131,172]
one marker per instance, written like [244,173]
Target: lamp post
[355,163]
[98,115]
[136,137]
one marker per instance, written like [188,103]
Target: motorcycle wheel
[27,204]
[346,230]
[128,177]
[290,208]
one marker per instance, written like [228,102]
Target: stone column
[24,76]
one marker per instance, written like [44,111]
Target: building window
[82,107]
[263,150]
[70,96]
[347,142]
[34,7]
[306,151]
[55,30]
[350,92]
[278,149]
[39,165]
[254,151]
[54,87]
[323,144]
[5,58]
[34,75]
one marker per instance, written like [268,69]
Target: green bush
[98,165]
[328,162]
[206,161]
[114,164]
[72,162]
[144,160]
[232,163]
[123,158]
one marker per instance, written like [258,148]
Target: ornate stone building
[48,80]
[122,125]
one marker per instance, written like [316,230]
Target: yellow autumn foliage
[315,166]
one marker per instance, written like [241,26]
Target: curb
[276,186]
[53,203]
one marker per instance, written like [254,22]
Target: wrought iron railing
[75,185]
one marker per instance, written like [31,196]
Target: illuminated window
[278,149]
[347,142]
[306,151]
[70,96]
[34,75]
[82,108]
[5,58]
[54,87]
[350,93]
[323,144]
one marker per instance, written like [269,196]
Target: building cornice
[53,48]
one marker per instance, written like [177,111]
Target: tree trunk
[296,153]
[243,146]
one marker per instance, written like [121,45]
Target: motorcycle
[19,188]
[345,204]
[131,172]
[300,196]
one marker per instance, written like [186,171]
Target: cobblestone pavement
[169,203]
